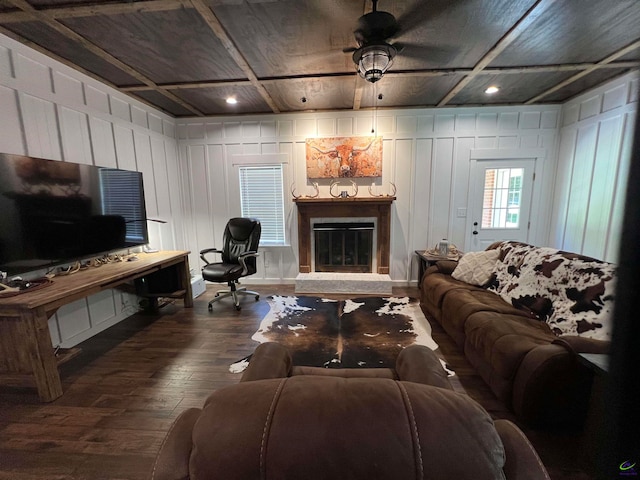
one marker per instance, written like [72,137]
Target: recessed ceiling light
[491,90]
[232,100]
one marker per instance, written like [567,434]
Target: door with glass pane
[500,202]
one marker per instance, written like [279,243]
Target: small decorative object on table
[16,287]
[444,249]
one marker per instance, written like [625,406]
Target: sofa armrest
[270,360]
[522,462]
[551,387]
[419,364]
[584,345]
[172,461]
[442,266]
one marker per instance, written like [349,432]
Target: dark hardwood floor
[130,382]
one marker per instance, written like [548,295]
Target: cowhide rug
[360,332]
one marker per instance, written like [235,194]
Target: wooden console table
[25,342]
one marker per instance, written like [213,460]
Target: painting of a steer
[344,157]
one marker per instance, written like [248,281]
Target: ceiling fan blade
[420,12]
[434,53]
[349,49]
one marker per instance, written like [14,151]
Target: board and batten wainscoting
[52,111]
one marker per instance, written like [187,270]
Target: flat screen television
[54,212]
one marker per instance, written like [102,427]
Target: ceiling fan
[374,54]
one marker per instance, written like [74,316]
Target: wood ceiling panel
[167,47]
[575,31]
[585,83]
[408,91]
[56,3]
[6,7]
[446,34]
[68,49]
[631,56]
[163,103]
[320,93]
[514,89]
[185,58]
[292,37]
[212,101]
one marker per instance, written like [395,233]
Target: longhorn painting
[334,157]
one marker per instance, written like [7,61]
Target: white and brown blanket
[360,332]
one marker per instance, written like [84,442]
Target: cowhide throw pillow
[476,268]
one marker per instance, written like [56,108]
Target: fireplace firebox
[343,247]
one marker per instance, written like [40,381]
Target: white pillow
[476,268]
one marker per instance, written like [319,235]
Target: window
[502,198]
[122,195]
[261,197]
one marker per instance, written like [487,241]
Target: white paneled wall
[51,111]
[583,150]
[426,153]
[596,138]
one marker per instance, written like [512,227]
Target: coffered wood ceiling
[186,56]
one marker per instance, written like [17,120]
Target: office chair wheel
[211,308]
[257,297]
[217,294]
[238,308]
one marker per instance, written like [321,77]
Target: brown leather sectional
[531,369]
[284,422]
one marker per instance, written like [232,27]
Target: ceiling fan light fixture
[374,60]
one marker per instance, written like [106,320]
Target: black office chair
[239,252]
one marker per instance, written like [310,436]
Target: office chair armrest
[208,250]
[242,258]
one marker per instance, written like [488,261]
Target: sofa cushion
[436,285]
[503,340]
[476,268]
[316,427]
[459,304]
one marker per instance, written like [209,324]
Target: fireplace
[343,246]
[376,210]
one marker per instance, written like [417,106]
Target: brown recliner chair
[281,422]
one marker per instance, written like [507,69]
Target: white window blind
[122,195]
[261,197]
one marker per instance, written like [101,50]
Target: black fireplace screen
[343,247]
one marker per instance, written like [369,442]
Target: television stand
[27,357]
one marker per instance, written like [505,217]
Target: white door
[500,202]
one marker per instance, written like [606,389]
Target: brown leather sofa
[531,368]
[284,422]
